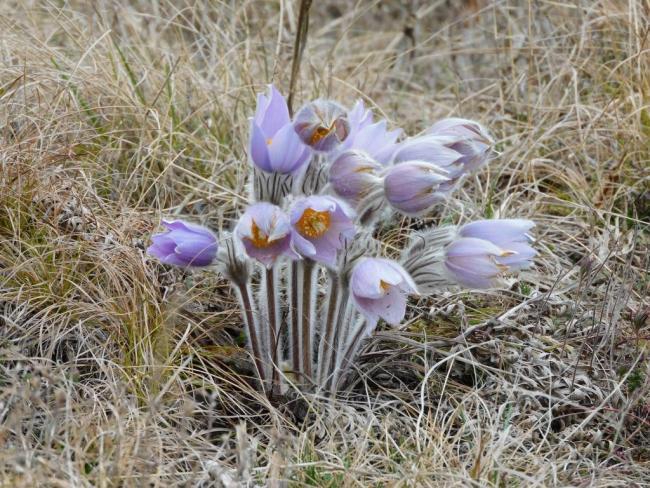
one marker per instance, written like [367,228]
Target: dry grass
[116,371]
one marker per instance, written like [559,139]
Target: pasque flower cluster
[302,259]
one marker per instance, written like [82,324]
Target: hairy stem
[327,333]
[350,349]
[295,342]
[273,326]
[252,330]
[307,316]
[338,341]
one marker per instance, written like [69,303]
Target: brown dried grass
[117,372]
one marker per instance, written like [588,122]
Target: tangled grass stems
[549,385]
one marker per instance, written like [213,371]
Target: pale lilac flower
[353,175]
[184,244]
[321,226]
[511,235]
[359,117]
[413,187]
[472,140]
[488,249]
[458,146]
[473,262]
[274,146]
[379,288]
[372,138]
[322,124]
[265,233]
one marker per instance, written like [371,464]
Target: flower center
[313,224]
[384,286]
[259,238]
[319,134]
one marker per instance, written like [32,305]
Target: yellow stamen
[313,224]
[269,141]
[258,238]
[319,134]
[384,286]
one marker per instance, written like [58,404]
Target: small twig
[298,48]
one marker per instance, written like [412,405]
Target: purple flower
[321,226]
[373,138]
[184,244]
[471,140]
[265,233]
[414,187]
[456,145]
[432,149]
[487,249]
[359,117]
[274,145]
[322,125]
[353,175]
[511,235]
[379,288]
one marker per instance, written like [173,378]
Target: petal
[275,112]
[364,305]
[470,246]
[498,231]
[470,279]
[368,275]
[429,149]
[286,151]
[258,148]
[303,246]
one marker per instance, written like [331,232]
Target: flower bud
[353,175]
[274,146]
[471,140]
[414,187]
[511,235]
[184,244]
[322,125]
[487,249]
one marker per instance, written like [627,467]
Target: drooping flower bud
[472,140]
[184,244]
[379,288]
[456,145]
[511,235]
[274,146]
[322,125]
[353,175]
[414,187]
[486,250]
[265,233]
[321,226]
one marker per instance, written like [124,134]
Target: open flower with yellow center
[322,125]
[265,233]
[379,288]
[321,224]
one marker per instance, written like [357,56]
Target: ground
[118,371]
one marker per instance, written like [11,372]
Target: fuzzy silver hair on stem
[310,278]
